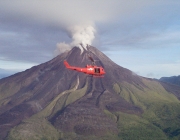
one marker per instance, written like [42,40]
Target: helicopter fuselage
[89,69]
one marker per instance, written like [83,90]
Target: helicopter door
[97,70]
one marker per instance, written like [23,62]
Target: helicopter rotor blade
[91,59]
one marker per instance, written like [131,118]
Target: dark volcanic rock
[85,120]
[87,117]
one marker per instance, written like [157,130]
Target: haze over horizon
[142,36]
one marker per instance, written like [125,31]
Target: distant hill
[172,80]
[50,102]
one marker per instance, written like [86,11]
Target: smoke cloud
[61,47]
[82,34]
[81,37]
[77,18]
[38,28]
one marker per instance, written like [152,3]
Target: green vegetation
[74,136]
[75,95]
[135,127]
[160,119]
[111,115]
[34,129]
[7,90]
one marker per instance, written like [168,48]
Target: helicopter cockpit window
[97,70]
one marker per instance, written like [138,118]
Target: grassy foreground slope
[160,119]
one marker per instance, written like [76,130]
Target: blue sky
[143,36]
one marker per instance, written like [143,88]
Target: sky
[142,36]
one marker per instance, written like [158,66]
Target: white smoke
[81,37]
[82,34]
[61,47]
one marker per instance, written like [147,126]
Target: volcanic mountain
[49,102]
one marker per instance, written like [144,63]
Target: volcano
[49,102]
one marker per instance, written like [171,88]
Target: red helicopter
[89,69]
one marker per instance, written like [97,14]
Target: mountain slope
[172,80]
[51,102]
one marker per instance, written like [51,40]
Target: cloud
[70,11]
[64,14]
[178,61]
[75,18]
[5,73]
[150,75]
[15,66]
[62,47]
[31,30]
[157,70]
[57,13]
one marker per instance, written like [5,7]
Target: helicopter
[89,69]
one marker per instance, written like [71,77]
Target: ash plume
[83,34]
[81,37]
[61,47]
